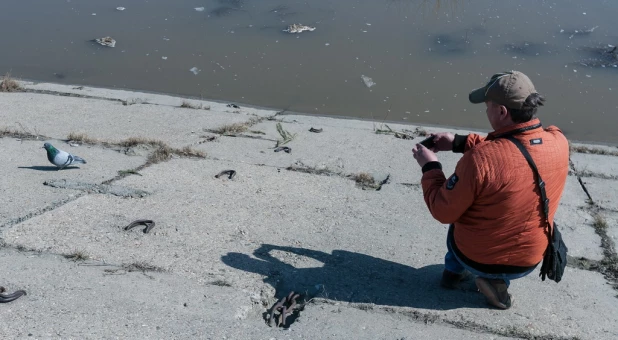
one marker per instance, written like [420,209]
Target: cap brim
[477,96]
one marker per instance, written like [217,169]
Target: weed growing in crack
[8,84]
[77,255]
[599,222]
[232,129]
[162,152]
[12,133]
[363,178]
[590,150]
[221,283]
[142,267]
[132,142]
[364,306]
[81,138]
[367,181]
[132,101]
[405,134]
[311,170]
[188,105]
[128,172]
[236,128]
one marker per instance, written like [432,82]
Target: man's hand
[443,141]
[423,155]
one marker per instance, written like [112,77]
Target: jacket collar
[515,129]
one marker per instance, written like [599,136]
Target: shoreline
[286,112]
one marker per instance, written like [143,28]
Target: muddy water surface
[422,56]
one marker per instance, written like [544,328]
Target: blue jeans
[454,264]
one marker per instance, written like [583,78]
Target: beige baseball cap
[508,88]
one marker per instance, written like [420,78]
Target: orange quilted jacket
[492,198]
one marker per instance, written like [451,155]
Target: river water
[423,57]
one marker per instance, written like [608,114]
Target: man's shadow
[355,277]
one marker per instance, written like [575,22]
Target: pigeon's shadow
[46,168]
[354,277]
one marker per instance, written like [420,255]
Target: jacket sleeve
[448,199]
[472,140]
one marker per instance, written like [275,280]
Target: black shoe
[451,280]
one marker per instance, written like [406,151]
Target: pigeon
[60,158]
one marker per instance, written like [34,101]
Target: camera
[428,142]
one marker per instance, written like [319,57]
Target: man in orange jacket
[497,227]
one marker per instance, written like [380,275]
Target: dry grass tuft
[187,151]
[82,138]
[364,178]
[599,222]
[165,152]
[142,267]
[188,105]
[594,151]
[77,255]
[135,141]
[8,84]
[128,172]
[232,129]
[8,132]
[132,101]
[161,154]
[221,283]
[311,169]
[421,132]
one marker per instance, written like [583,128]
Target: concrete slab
[573,219]
[600,164]
[280,231]
[235,246]
[132,96]
[573,196]
[23,192]
[604,192]
[54,117]
[344,150]
[611,219]
[92,301]
[581,239]
[187,200]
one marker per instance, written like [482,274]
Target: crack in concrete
[71,94]
[39,212]
[363,180]
[434,318]
[115,190]
[608,266]
[587,173]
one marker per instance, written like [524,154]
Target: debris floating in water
[368,81]
[164,58]
[298,28]
[195,70]
[120,8]
[106,41]
[199,9]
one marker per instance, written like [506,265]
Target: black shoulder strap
[539,181]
